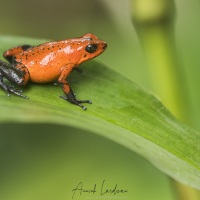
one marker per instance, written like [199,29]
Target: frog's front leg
[67,89]
[18,75]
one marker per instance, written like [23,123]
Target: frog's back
[44,62]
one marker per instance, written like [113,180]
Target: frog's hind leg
[10,53]
[18,75]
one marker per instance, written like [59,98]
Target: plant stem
[184,192]
[167,79]
[154,22]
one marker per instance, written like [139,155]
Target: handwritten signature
[102,190]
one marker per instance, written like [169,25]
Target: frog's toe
[85,101]
[76,102]
[10,89]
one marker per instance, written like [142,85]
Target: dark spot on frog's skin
[25,47]
[85,55]
[48,48]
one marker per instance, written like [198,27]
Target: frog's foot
[18,75]
[10,89]
[71,98]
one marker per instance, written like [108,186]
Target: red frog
[49,62]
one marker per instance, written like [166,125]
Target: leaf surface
[121,111]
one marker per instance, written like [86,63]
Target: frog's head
[92,47]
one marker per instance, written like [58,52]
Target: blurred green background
[48,161]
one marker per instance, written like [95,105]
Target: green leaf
[121,111]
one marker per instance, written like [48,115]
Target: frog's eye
[91,48]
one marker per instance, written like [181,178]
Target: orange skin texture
[55,60]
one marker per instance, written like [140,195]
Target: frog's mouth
[105,46]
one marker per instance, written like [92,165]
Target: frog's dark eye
[91,48]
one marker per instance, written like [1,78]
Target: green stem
[184,192]
[167,80]
[154,22]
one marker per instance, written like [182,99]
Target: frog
[49,62]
